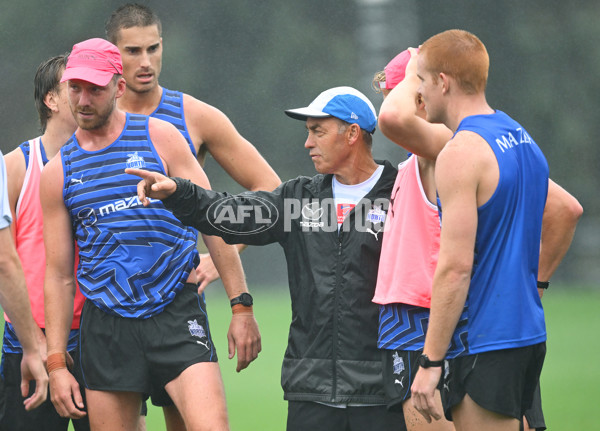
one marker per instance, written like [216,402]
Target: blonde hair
[379,77]
[459,54]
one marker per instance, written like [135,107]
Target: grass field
[570,379]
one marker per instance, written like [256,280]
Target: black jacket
[332,354]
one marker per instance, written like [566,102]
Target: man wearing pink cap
[412,239]
[144,326]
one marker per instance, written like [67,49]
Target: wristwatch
[424,362]
[245,299]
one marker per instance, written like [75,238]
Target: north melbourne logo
[376,215]
[135,161]
[198,331]
[398,363]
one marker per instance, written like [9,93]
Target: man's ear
[445,79]
[51,100]
[121,87]
[353,133]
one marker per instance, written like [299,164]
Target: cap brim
[304,113]
[94,76]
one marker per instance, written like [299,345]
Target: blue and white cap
[345,103]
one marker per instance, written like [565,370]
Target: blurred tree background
[252,60]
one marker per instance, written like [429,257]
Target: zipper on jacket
[334,351]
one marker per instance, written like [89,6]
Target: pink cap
[395,70]
[93,60]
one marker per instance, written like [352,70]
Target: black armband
[543,284]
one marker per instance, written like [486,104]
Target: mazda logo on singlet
[87,217]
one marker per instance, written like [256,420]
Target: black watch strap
[425,362]
[543,284]
[245,299]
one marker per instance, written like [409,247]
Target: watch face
[421,360]
[246,299]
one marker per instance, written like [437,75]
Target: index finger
[146,175]
[141,186]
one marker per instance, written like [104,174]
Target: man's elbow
[570,211]
[10,265]
[574,209]
[390,122]
[455,272]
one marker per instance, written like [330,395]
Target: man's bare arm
[402,118]
[561,214]
[15,301]
[460,192]
[59,290]
[243,333]
[238,157]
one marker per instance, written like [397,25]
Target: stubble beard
[97,122]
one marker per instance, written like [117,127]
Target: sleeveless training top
[29,234]
[132,259]
[409,256]
[29,242]
[411,243]
[170,109]
[503,305]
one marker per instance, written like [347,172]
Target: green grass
[571,375]
[570,378]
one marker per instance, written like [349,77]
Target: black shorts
[13,415]
[399,370]
[143,355]
[502,381]
[534,414]
[309,415]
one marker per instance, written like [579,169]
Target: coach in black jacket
[331,372]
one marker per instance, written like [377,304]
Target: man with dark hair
[137,31]
[24,166]
[330,227]
[144,328]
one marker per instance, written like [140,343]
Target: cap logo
[95,61]
[344,103]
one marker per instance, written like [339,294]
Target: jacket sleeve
[253,218]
